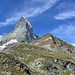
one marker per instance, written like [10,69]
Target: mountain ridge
[50,42]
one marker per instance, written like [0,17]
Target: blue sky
[46,16]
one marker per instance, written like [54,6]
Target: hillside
[42,60]
[50,42]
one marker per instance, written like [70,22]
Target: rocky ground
[50,42]
[26,59]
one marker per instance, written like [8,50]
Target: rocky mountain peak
[23,23]
[23,18]
[48,35]
[54,43]
[23,32]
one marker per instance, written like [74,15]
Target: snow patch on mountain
[13,41]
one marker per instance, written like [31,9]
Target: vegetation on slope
[41,60]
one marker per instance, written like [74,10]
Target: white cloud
[1,37]
[33,9]
[73,44]
[66,10]
[65,32]
[65,15]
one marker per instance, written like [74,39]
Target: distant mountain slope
[58,45]
[23,32]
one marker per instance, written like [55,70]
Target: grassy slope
[32,55]
[12,68]
[30,49]
[28,53]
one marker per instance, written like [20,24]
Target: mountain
[36,60]
[24,53]
[23,32]
[54,43]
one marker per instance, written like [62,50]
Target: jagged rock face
[58,45]
[23,32]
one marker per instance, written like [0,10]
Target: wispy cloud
[66,11]
[65,32]
[1,37]
[34,8]
[73,44]
[65,15]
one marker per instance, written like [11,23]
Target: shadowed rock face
[23,32]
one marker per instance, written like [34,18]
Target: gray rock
[23,32]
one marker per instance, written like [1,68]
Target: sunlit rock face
[23,32]
[50,42]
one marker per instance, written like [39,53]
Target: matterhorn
[23,32]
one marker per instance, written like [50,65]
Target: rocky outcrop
[10,66]
[44,40]
[38,59]
[52,66]
[54,43]
[23,32]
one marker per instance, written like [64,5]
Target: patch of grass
[34,54]
[25,46]
[65,73]
[51,46]
[1,54]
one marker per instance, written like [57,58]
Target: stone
[50,42]
[23,32]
